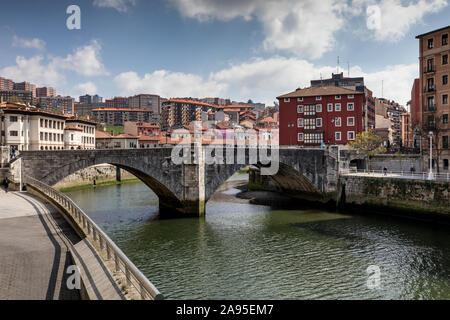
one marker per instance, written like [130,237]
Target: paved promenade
[34,250]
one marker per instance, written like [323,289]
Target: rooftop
[319,91]
[431,32]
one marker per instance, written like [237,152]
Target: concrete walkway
[34,250]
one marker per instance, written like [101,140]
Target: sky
[237,49]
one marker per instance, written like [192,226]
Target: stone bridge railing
[107,248]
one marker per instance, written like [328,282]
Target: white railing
[106,246]
[396,174]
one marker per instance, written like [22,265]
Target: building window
[13,133]
[287,100]
[337,107]
[300,137]
[318,108]
[350,106]
[445,79]
[310,124]
[351,96]
[313,138]
[337,97]
[299,109]
[337,122]
[319,122]
[337,136]
[445,142]
[319,98]
[445,164]
[445,39]
[300,99]
[445,118]
[430,43]
[310,110]
[13,119]
[445,59]
[330,107]
[300,122]
[350,121]
[351,135]
[445,99]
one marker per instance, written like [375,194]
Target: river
[244,251]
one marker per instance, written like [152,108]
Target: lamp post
[431,175]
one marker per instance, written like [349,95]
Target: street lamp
[431,175]
[2,119]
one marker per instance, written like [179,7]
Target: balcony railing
[431,107]
[430,89]
[430,69]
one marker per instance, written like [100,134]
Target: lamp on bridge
[2,119]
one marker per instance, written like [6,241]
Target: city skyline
[241,50]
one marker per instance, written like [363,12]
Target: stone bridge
[183,189]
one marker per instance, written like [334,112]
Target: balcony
[430,89]
[429,69]
[431,107]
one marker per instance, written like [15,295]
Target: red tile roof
[319,91]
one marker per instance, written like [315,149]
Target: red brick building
[316,115]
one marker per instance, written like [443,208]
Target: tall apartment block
[146,101]
[6,84]
[88,99]
[118,116]
[26,86]
[65,105]
[24,95]
[434,51]
[46,92]
[179,112]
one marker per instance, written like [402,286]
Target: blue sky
[238,49]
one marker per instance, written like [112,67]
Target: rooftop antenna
[382,88]
[348,64]
[337,65]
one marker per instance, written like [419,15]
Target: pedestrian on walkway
[6,183]
[385,171]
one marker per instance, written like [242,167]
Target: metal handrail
[134,277]
[396,174]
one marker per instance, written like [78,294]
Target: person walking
[6,183]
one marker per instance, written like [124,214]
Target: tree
[368,144]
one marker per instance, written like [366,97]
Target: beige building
[434,51]
[87,135]
[123,141]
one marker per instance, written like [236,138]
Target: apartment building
[181,112]
[434,51]
[322,114]
[64,105]
[85,109]
[392,111]
[6,84]
[46,92]
[147,102]
[117,103]
[26,86]
[118,116]
[142,129]
[24,95]
[88,99]
[29,128]
[83,133]
[357,84]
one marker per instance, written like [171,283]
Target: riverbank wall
[101,174]
[419,199]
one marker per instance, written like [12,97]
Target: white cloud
[34,43]
[85,61]
[308,28]
[396,17]
[263,80]
[87,88]
[166,84]
[119,5]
